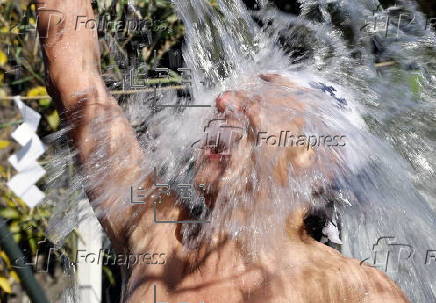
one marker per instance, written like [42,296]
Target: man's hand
[71,52]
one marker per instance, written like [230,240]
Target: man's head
[252,185]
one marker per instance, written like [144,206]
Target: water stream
[382,183]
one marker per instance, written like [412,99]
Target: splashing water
[380,181]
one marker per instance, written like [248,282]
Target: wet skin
[298,269]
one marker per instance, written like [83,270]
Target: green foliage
[26,225]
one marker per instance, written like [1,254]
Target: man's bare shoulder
[341,279]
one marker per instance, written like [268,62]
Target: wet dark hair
[315,220]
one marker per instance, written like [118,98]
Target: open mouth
[219,139]
[214,153]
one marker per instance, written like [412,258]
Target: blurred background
[155,38]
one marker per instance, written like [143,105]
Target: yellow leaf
[4,284]
[15,30]
[3,58]
[53,120]
[5,258]
[36,91]
[9,201]
[16,237]
[4,144]
[14,227]
[14,276]
[39,91]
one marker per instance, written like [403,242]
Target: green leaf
[33,244]
[110,276]
[414,84]
[44,102]
[9,213]
[22,80]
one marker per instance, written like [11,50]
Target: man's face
[236,153]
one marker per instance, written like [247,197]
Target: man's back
[298,269]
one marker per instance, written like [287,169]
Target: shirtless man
[219,270]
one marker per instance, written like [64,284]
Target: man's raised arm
[107,148]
